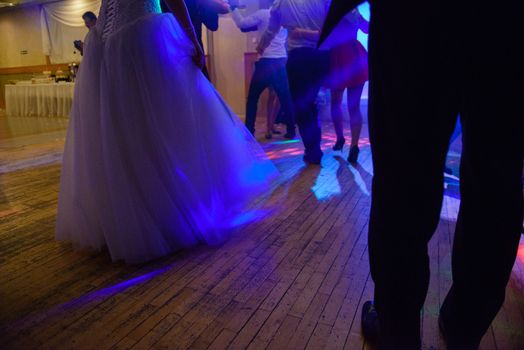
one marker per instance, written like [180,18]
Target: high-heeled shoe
[339,144]
[353,154]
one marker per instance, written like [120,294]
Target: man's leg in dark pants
[406,202]
[281,86]
[490,215]
[412,113]
[259,82]
[305,79]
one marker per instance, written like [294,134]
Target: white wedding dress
[154,159]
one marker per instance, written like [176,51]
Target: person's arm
[246,22]
[301,33]
[208,11]
[179,10]
[209,19]
[214,6]
[273,28]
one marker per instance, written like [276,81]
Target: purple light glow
[84,301]
[105,293]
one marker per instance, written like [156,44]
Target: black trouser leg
[406,203]
[305,68]
[281,86]
[411,118]
[259,82]
[417,87]
[490,215]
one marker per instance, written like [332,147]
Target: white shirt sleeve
[247,21]
[273,28]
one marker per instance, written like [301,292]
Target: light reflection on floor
[359,181]
[326,184]
[275,149]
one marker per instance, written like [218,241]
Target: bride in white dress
[154,159]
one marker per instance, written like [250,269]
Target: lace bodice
[116,13]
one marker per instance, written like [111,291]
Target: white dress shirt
[304,14]
[260,19]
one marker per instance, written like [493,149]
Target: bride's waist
[123,14]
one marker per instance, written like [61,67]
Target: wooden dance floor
[293,276]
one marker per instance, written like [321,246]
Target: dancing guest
[90,22]
[348,70]
[89,19]
[306,66]
[270,69]
[422,75]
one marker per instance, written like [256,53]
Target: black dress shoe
[311,160]
[369,320]
[455,344]
[353,154]
[339,144]
[313,157]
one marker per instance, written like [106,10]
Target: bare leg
[272,109]
[336,112]
[355,116]
[274,113]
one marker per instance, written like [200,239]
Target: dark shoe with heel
[353,154]
[339,144]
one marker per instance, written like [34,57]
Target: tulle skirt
[154,160]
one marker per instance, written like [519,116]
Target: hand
[218,6]
[79,45]
[301,33]
[199,59]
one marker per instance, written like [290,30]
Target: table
[41,100]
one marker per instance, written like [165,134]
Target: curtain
[61,23]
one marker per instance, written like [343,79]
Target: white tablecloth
[42,100]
